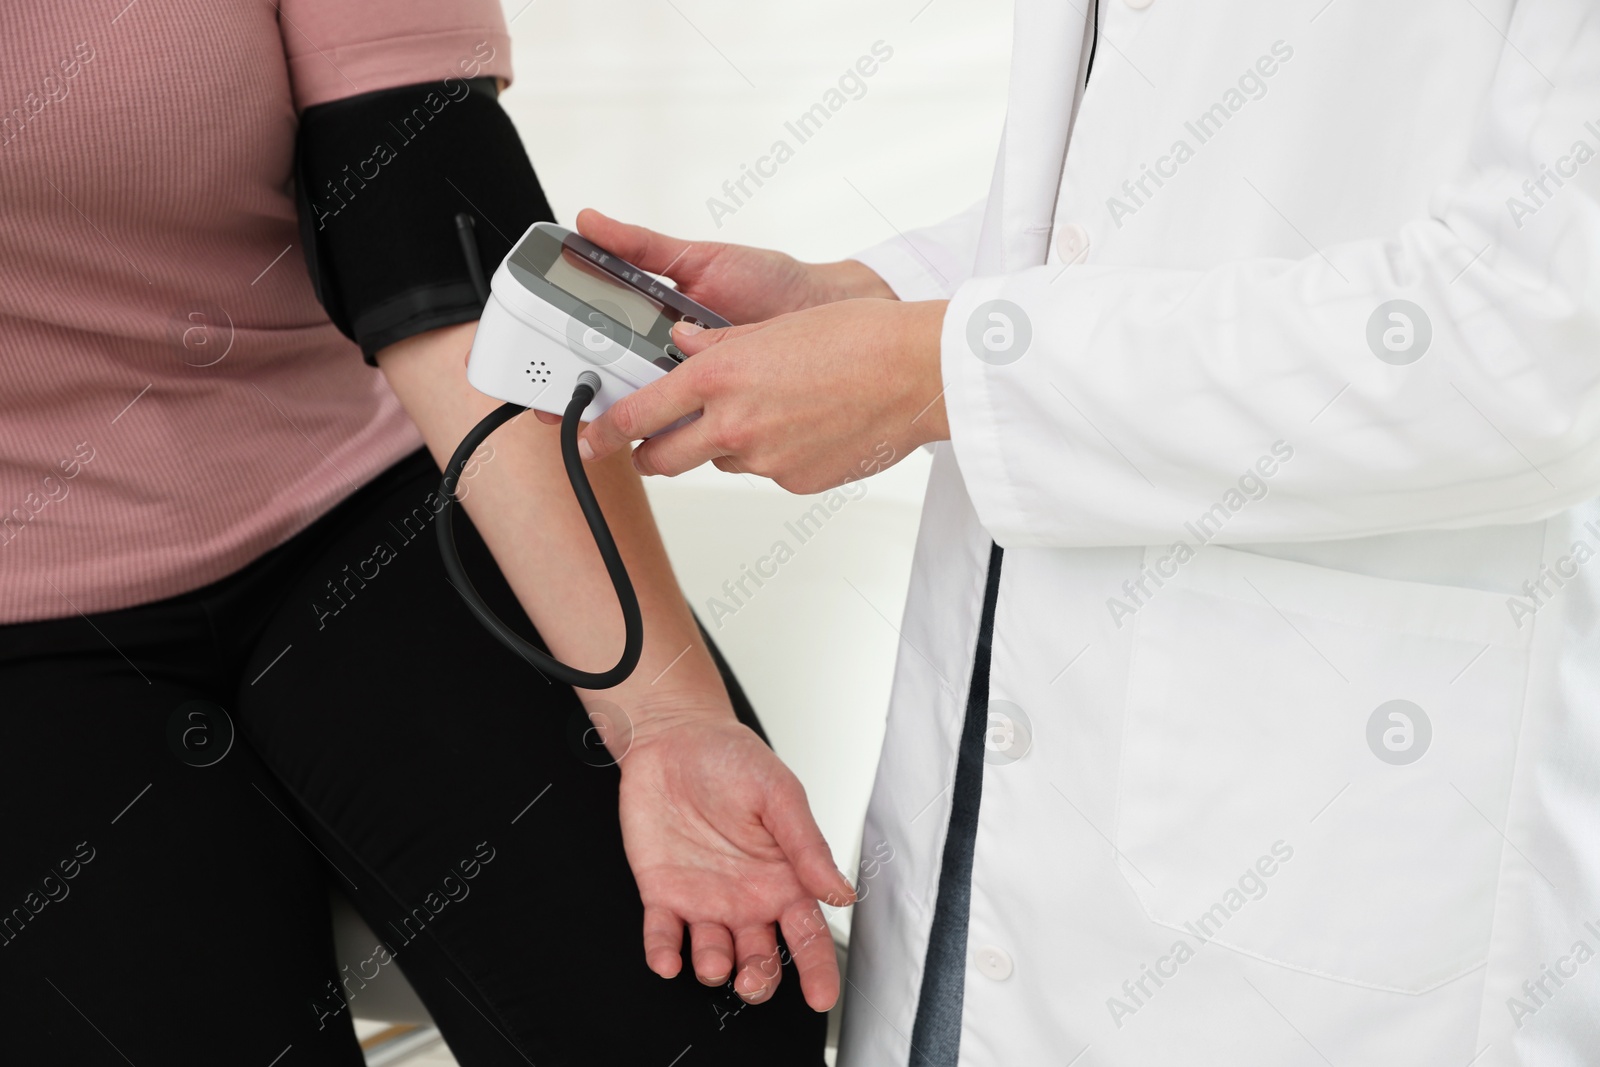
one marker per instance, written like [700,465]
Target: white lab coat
[1203,838]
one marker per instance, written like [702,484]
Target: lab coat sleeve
[930,263]
[1148,397]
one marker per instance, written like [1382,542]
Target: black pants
[180,782]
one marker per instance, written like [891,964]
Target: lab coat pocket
[1316,764]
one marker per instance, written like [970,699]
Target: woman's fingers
[789,820]
[810,942]
[759,965]
[712,951]
[663,942]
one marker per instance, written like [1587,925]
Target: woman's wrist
[657,699]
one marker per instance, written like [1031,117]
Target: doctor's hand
[740,283]
[720,838]
[811,399]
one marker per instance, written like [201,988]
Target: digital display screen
[599,289]
[569,273]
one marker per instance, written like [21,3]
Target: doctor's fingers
[711,947]
[663,942]
[640,414]
[644,248]
[810,942]
[684,449]
[760,966]
[692,339]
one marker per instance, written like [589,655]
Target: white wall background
[644,108]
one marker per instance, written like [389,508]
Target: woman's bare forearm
[520,501]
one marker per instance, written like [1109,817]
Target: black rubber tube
[633,621]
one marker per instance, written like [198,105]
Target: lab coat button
[992,963]
[1072,242]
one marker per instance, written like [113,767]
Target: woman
[232,677]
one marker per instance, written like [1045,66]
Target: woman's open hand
[721,839]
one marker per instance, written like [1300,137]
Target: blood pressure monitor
[560,305]
[568,328]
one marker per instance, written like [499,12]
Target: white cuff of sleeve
[980,366]
[915,270]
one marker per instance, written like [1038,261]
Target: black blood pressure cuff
[409,198]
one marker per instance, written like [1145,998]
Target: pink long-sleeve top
[173,400]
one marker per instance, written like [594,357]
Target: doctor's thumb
[693,339]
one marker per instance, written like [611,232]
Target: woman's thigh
[452,788]
[157,905]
